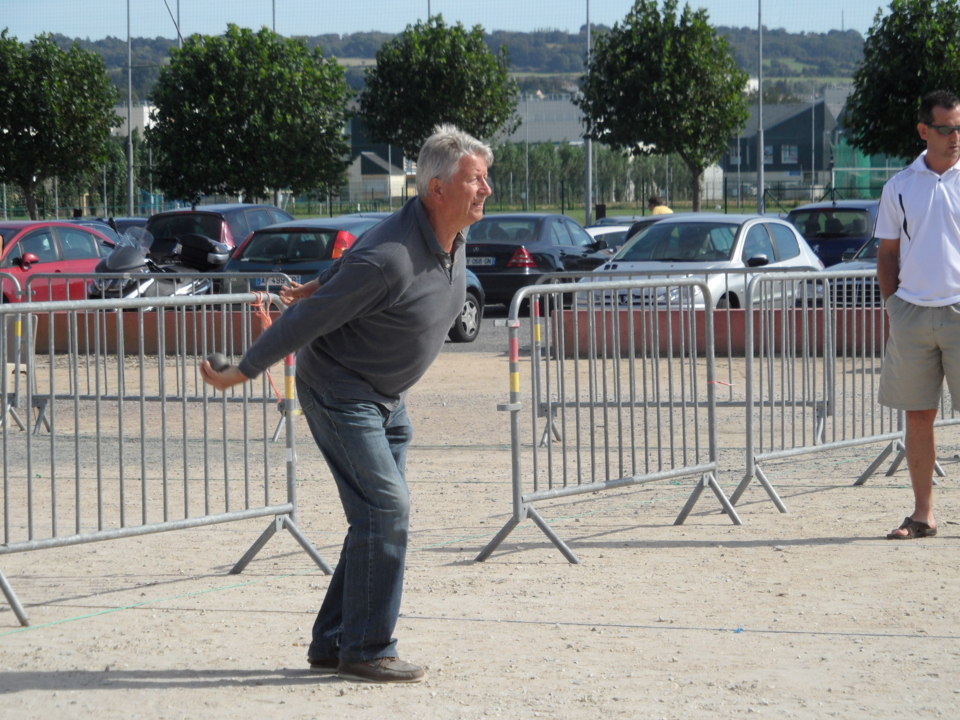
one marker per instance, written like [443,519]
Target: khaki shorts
[923,349]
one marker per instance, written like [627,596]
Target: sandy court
[809,614]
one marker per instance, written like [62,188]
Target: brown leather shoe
[324,666]
[381,670]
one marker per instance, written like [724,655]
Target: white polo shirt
[922,209]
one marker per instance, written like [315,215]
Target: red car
[42,247]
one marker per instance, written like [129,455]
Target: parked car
[466,327]
[721,248]
[852,291]
[613,235]
[511,251]
[834,228]
[33,247]
[100,226]
[300,249]
[226,223]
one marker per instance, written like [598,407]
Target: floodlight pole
[129,118]
[761,154]
[588,147]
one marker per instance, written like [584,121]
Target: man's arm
[888,266]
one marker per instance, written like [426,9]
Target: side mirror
[599,244]
[758,261]
[26,260]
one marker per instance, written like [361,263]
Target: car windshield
[681,242]
[832,223]
[289,246]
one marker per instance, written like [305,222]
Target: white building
[139,119]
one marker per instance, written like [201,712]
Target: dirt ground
[808,614]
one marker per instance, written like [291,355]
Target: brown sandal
[915,529]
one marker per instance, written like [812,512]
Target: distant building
[371,179]
[547,118]
[139,117]
[797,141]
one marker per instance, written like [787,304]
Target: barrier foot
[708,480]
[762,479]
[895,465]
[11,410]
[554,538]
[872,468]
[276,433]
[12,600]
[42,420]
[280,522]
[305,544]
[497,539]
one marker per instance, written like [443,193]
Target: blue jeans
[365,446]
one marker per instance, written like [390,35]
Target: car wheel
[467,325]
[728,302]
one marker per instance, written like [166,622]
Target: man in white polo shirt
[918,268]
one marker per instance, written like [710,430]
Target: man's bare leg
[921,459]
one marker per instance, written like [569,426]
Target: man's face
[464,193]
[942,146]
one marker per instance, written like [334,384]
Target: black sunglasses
[944,129]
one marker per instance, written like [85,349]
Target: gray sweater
[378,319]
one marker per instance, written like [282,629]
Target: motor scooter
[144,266]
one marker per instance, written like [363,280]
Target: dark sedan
[511,251]
[300,249]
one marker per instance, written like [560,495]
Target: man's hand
[289,294]
[224,379]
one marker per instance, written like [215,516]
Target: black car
[834,228]
[228,223]
[466,327]
[511,251]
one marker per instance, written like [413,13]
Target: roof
[216,208]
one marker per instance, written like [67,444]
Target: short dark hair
[938,98]
[655,200]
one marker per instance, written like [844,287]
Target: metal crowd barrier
[136,442]
[619,391]
[812,371]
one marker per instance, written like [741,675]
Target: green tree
[909,52]
[248,112]
[665,83]
[431,74]
[56,113]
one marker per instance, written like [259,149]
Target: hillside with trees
[550,61]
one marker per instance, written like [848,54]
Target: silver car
[724,250]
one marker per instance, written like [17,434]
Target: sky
[96,19]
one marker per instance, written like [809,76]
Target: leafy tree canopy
[432,74]
[56,113]
[911,51]
[246,112]
[665,83]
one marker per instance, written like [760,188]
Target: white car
[725,250]
[613,235]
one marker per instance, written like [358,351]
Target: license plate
[475,261]
[273,282]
